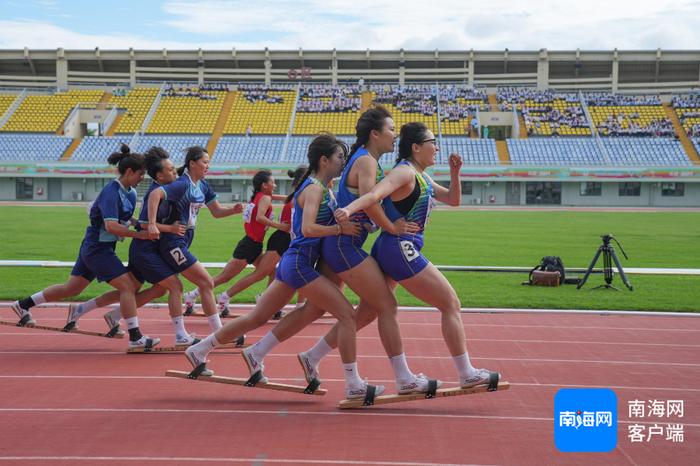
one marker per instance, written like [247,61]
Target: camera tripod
[609,256]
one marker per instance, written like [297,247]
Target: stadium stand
[546,113]
[46,113]
[19,147]
[187,110]
[688,110]
[333,108]
[267,109]
[255,149]
[645,151]
[458,104]
[623,115]
[575,151]
[97,149]
[473,151]
[408,103]
[5,102]
[137,103]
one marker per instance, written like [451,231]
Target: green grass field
[500,238]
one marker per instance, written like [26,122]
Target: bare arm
[310,200]
[219,211]
[116,228]
[452,196]
[397,178]
[263,205]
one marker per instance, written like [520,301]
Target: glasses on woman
[432,141]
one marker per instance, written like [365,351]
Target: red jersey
[254,229]
[286,216]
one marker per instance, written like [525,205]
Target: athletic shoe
[186,339]
[144,342]
[278,315]
[310,370]
[222,305]
[481,377]
[73,315]
[112,318]
[22,314]
[195,361]
[189,298]
[419,384]
[353,392]
[254,364]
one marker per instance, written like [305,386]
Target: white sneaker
[144,342]
[189,298]
[481,377]
[419,384]
[310,370]
[23,314]
[195,361]
[352,391]
[222,304]
[254,364]
[73,310]
[112,318]
[186,339]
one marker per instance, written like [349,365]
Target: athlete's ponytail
[194,153]
[125,159]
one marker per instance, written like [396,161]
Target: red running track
[68,398]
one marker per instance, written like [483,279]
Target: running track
[69,398]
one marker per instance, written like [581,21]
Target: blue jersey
[114,203]
[163,209]
[186,198]
[420,211]
[346,194]
[324,216]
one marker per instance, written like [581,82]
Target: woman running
[145,262]
[346,258]
[412,193]
[110,215]
[312,219]
[186,196]
[257,217]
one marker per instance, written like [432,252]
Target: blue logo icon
[585,420]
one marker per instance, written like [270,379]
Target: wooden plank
[232,381]
[180,349]
[60,329]
[442,392]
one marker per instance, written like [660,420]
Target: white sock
[319,351]
[214,322]
[132,322]
[179,326]
[224,298]
[204,347]
[464,366]
[266,343]
[400,366]
[38,298]
[85,307]
[351,374]
[194,293]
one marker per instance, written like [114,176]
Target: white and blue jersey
[296,267]
[97,258]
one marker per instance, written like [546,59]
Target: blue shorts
[343,252]
[399,256]
[175,251]
[296,267]
[98,260]
[146,263]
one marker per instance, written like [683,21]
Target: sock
[132,323]
[266,343]
[85,307]
[204,347]
[319,351]
[351,374]
[464,366]
[194,294]
[31,301]
[400,366]
[38,298]
[224,298]
[214,322]
[179,326]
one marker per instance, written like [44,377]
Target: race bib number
[248,212]
[409,250]
[178,256]
[194,210]
[292,235]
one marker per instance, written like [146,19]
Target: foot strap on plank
[112,332]
[69,327]
[432,388]
[240,341]
[254,379]
[24,320]
[313,386]
[493,381]
[369,395]
[197,371]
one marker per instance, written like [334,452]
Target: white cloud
[384,24]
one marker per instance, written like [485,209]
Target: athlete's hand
[179,229]
[455,162]
[284,227]
[402,227]
[341,215]
[153,231]
[237,208]
[350,228]
[142,234]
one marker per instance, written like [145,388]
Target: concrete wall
[7,189]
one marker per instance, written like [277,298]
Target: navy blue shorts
[176,253]
[343,252]
[399,257]
[146,263]
[296,268]
[98,260]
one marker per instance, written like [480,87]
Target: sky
[351,24]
